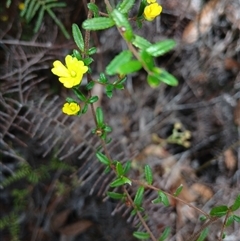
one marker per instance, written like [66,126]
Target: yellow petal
[59,69]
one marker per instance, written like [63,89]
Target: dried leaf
[204,191]
[229,159]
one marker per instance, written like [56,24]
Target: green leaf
[120,181]
[119,169]
[160,48]
[115,195]
[98,23]
[92,51]
[109,94]
[127,167]
[165,234]
[141,235]
[99,116]
[88,61]
[219,211]
[77,55]
[122,58]
[93,99]
[107,128]
[130,67]
[77,36]
[126,5]
[90,85]
[229,221]
[236,218]
[164,198]
[148,174]
[147,60]
[203,218]
[123,24]
[94,8]
[168,78]
[139,196]
[84,109]
[203,234]
[141,42]
[143,4]
[102,158]
[107,169]
[102,78]
[153,81]
[236,204]
[70,100]
[79,94]
[178,191]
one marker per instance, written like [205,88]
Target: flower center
[73,73]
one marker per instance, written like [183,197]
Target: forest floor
[69,202]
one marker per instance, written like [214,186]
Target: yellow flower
[72,74]
[151,1]
[71,108]
[152,11]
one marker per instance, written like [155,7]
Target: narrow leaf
[203,234]
[168,78]
[219,211]
[147,60]
[236,204]
[93,99]
[123,24]
[141,42]
[139,196]
[127,180]
[98,23]
[102,158]
[99,116]
[94,8]
[119,169]
[116,195]
[122,58]
[164,198]
[77,36]
[165,234]
[130,67]
[178,191]
[120,181]
[153,81]
[236,218]
[148,174]
[127,167]
[126,5]
[230,220]
[141,235]
[160,48]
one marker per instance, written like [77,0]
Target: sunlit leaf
[102,158]
[148,174]
[139,196]
[219,211]
[98,23]
[126,5]
[203,234]
[141,235]
[160,48]
[165,234]
[77,36]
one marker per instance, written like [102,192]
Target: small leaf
[147,60]
[153,81]
[79,94]
[141,42]
[70,100]
[109,94]
[203,218]
[168,78]
[122,58]
[130,67]
[139,196]
[77,36]
[141,235]
[165,234]
[148,174]
[102,158]
[127,167]
[203,234]
[77,55]
[88,60]
[102,78]
[219,211]
[119,169]
[93,99]
[230,220]
[107,128]
[123,24]
[127,180]
[160,48]
[84,109]
[236,218]
[99,116]
[118,182]
[115,195]
[90,85]
[178,191]
[126,5]
[98,23]
[164,198]
[92,51]
[236,204]
[94,8]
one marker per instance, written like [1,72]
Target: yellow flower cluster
[70,76]
[152,10]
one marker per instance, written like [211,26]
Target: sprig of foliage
[39,8]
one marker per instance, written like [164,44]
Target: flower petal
[59,69]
